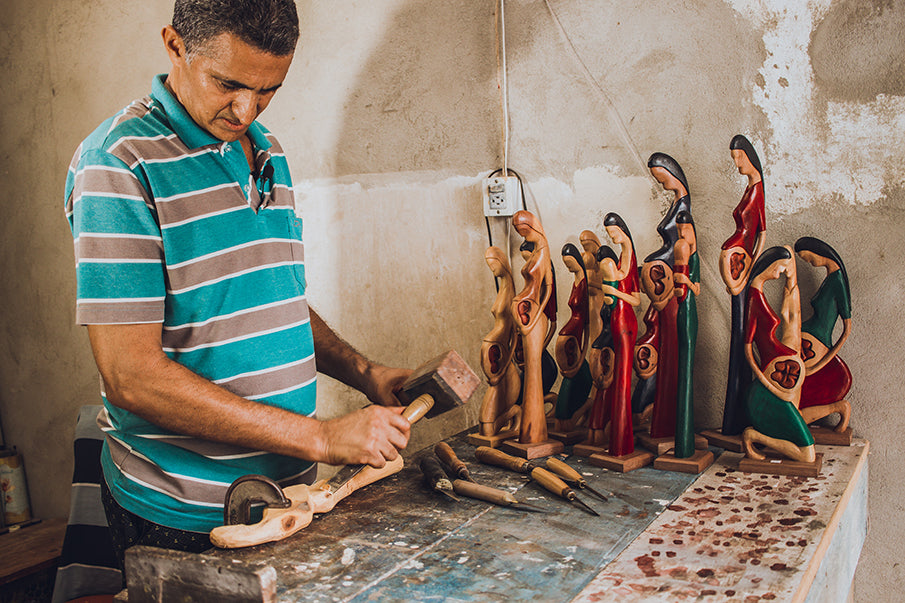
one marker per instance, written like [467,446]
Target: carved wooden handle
[560,468]
[481,492]
[449,459]
[492,456]
[552,483]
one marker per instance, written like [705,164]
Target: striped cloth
[170,226]
[87,563]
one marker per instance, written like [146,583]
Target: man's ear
[174,44]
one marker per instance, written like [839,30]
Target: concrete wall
[391,116]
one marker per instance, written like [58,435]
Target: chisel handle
[418,408]
[434,474]
[552,483]
[481,492]
[449,459]
[563,470]
[492,456]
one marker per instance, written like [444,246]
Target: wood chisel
[436,477]
[492,456]
[492,495]
[571,476]
[558,487]
[455,467]
[498,458]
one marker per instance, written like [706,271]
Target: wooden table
[662,536]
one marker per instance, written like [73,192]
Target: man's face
[225,84]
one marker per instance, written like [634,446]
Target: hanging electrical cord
[614,114]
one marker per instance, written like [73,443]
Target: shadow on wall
[680,76]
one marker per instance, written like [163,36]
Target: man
[191,280]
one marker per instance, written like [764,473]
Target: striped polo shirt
[171,227]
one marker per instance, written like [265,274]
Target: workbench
[662,536]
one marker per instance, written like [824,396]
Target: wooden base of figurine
[715,437]
[493,441]
[568,437]
[532,451]
[697,462]
[660,446]
[624,463]
[827,436]
[586,450]
[781,466]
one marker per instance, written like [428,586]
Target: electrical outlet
[502,196]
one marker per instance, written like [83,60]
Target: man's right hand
[370,436]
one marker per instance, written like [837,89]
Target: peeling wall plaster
[823,146]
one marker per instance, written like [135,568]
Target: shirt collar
[193,135]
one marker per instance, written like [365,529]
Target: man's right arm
[140,378]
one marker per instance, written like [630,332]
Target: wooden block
[532,451]
[493,441]
[781,466]
[625,463]
[587,450]
[568,437]
[659,446]
[716,438]
[700,442]
[696,463]
[829,437]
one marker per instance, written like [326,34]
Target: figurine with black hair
[573,400]
[774,396]
[828,379]
[736,259]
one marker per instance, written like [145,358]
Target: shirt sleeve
[118,244]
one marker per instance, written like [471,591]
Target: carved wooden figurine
[686,275]
[528,310]
[590,244]
[573,403]
[657,281]
[548,363]
[774,395]
[601,357]
[828,379]
[500,415]
[645,364]
[736,258]
[624,296]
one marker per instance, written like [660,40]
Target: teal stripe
[215,233]
[119,281]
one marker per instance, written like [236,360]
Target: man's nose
[245,107]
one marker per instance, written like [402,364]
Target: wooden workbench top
[723,535]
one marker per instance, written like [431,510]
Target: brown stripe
[261,319]
[106,313]
[108,182]
[253,256]
[131,149]
[272,381]
[90,247]
[148,473]
[196,204]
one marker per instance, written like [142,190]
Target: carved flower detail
[807,350]
[786,373]
[736,264]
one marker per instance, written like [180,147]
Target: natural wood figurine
[657,281]
[686,275]
[549,370]
[736,258]
[500,415]
[602,359]
[528,310]
[590,244]
[828,378]
[773,397]
[573,402]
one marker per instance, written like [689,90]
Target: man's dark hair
[268,25]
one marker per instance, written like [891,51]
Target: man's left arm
[339,360]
